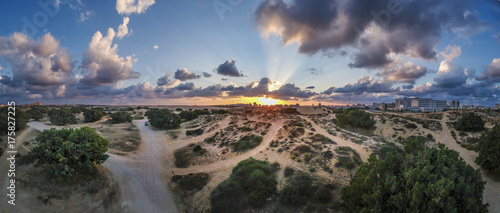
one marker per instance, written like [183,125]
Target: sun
[268,101]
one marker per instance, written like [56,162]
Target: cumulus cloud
[407,73]
[155,47]
[123,29]
[492,71]
[101,63]
[184,75]
[1,68]
[133,6]
[41,63]
[364,84]
[185,86]
[229,68]
[450,74]
[84,16]
[377,28]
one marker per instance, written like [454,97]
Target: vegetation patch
[120,117]
[300,189]
[488,148]
[469,122]
[62,117]
[402,182]
[250,184]
[348,159]
[195,132]
[247,142]
[355,118]
[322,139]
[191,183]
[163,118]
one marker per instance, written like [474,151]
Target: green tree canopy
[417,179]
[34,114]
[93,115]
[69,151]
[163,118]
[356,118]
[470,122]
[62,117]
[489,150]
[19,122]
[121,117]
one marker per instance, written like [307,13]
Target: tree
[69,152]
[470,122]
[35,114]
[93,115]
[417,179]
[20,119]
[62,117]
[356,118]
[163,118]
[488,148]
[121,117]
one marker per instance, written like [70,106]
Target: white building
[420,104]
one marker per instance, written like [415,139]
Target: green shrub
[470,122]
[356,118]
[163,118]
[247,142]
[93,115]
[488,148]
[195,132]
[68,152]
[62,117]
[250,184]
[121,117]
[34,114]
[191,115]
[416,179]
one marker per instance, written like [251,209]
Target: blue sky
[285,41]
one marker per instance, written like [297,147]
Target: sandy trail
[340,141]
[229,163]
[491,192]
[139,176]
[4,179]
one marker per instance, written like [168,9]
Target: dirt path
[4,179]
[139,176]
[491,192]
[340,141]
[229,163]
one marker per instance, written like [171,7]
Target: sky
[207,52]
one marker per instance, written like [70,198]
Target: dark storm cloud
[310,87]
[185,86]
[207,75]
[229,68]
[400,27]
[290,91]
[491,72]
[184,75]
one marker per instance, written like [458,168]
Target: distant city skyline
[270,51]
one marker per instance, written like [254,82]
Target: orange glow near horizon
[269,101]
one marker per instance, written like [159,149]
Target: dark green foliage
[489,149]
[68,152]
[195,132]
[191,115]
[34,114]
[77,110]
[417,179]
[120,117]
[250,184]
[410,126]
[62,117]
[42,109]
[178,109]
[289,111]
[301,188]
[288,171]
[93,115]
[163,118]
[191,182]
[356,118]
[220,111]
[247,142]
[20,119]
[469,122]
